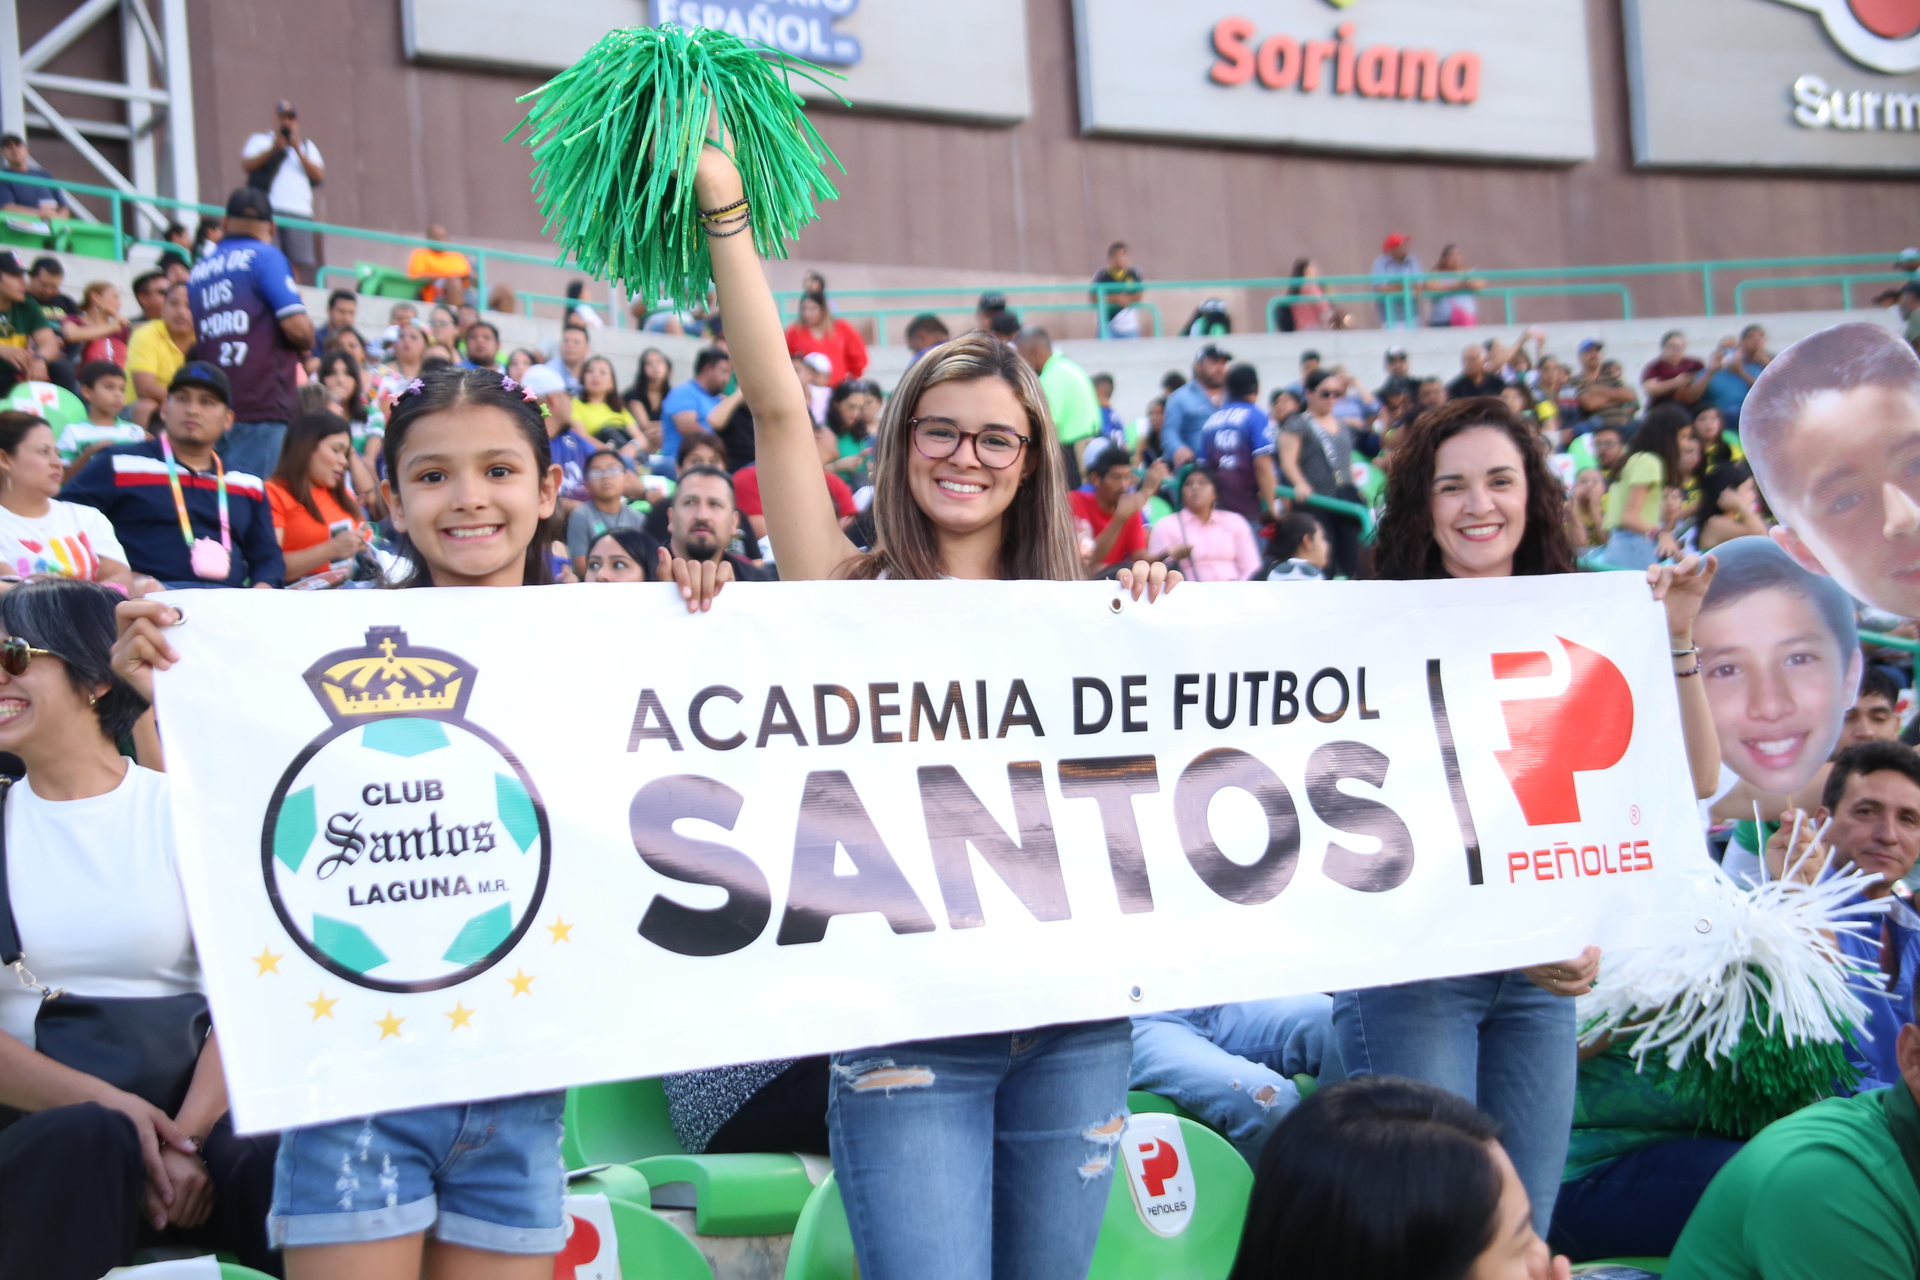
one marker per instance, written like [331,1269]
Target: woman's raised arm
[806,536]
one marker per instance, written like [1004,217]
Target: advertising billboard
[919,56]
[1485,78]
[1796,84]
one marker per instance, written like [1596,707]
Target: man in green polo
[1832,1190]
[1071,399]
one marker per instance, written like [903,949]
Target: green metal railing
[1338,506]
[1846,283]
[1882,640]
[1506,294]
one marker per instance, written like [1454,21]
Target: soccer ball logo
[404,849]
[1882,34]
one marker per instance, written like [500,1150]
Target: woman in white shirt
[39,534]
[91,1172]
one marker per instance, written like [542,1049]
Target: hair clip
[508,384]
[544,411]
[412,388]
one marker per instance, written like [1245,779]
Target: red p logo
[1158,1167]
[1584,729]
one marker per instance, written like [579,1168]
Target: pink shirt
[1223,549]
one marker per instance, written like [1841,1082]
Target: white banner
[446,845]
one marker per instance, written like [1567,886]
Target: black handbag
[147,1046]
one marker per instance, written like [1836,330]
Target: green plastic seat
[1139,1100]
[207,1267]
[617,1123]
[87,239]
[377,281]
[1127,1250]
[650,1247]
[614,1181]
[26,231]
[822,1246]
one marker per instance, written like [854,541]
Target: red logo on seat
[1158,1167]
[583,1245]
[1584,729]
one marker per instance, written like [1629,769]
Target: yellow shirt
[592,419]
[153,350]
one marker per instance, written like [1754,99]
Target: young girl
[1002,1169]
[597,407]
[1637,537]
[479,1185]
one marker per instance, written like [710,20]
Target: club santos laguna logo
[405,849]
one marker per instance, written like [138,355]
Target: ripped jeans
[980,1157]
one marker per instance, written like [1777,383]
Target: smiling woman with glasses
[989,1170]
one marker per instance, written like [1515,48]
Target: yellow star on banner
[389,1025]
[267,962]
[461,1015]
[321,1006]
[560,930]
[521,982]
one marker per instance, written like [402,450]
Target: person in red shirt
[746,487]
[1112,531]
[817,330]
[1676,375]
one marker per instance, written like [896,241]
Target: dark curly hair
[1404,547]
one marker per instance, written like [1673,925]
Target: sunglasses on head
[16,655]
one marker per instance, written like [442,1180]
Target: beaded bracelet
[741,203]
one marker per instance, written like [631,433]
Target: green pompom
[1763,1079]
[616,136]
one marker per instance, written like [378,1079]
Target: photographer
[287,166]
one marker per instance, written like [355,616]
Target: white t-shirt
[69,540]
[96,897]
[292,190]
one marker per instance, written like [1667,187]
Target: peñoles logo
[396,847]
[1882,34]
[1582,730]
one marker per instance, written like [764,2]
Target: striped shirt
[129,484]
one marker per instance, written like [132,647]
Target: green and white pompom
[616,136]
[1753,1019]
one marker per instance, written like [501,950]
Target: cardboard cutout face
[1832,430]
[1780,661]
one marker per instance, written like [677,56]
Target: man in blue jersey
[1227,443]
[249,320]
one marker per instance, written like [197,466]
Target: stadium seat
[1128,1250]
[617,1123]
[822,1243]
[648,1246]
[387,282]
[203,1268]
[1139,1100]
[614,1181]
[87,239]
[26,231]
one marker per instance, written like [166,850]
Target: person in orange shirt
[447,272]
[315,516]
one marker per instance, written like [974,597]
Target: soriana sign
[1479,77]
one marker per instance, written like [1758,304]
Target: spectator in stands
[348,395]
[39,534]
[605,510]
[206,235]
[923,331]
[597,408]
[501,297]
[569,356]
[1117,306]
[400,313]
[520,361]
[992,303]
[568,447]
[1112,429]
[818,330]
[103,387]
[1005,325]
[158,350]
[96,331]
[1112,530]
[1070,396]
[1300,550]
[1387,1179]
[442,328]
[284,166]
[316,519]
[1395,362]
[703,519]
[1548,405]
[17,193]
[646,396]
[446,273]
[757,1106]
[256,330]
[44,279]
[343,308]
[1603,396]
[409,356]
[1734,372]
[1453,291]
[1475,378]
[1429,393]
[853,410]
[1228,441]
[747,488]
[1729,506]
[1204,541]
[482,346]
[1314,452]
[1189,407]
[579,310]
[1637,536]
[1312,311]
[622,555]
[697,402]
[92,1172]
[1469,496]
[1397,310]
[159,491]
[1875,713]
[1675,375]
[25,331]
[1609,450]
[1827,1191]
[149,291]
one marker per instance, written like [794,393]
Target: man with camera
[286,165]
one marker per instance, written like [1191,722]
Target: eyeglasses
[601,473]
[996,447]
[16,655]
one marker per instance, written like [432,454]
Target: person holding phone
[285,164]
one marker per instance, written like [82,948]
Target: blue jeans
[980,1157]
[1495,1039]
[253,447]
[1636,1205]
[1630,550]
[1232,1064]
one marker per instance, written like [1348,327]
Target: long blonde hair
[1036,530]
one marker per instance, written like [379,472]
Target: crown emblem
[389,677]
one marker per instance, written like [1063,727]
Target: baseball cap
[198,373]
[818,361]
[1211,352]
[10,264]
[542,381]
[1395,240]
[1908,255]
[249,202]
[285,108]
[1590,344]
[1395,353]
